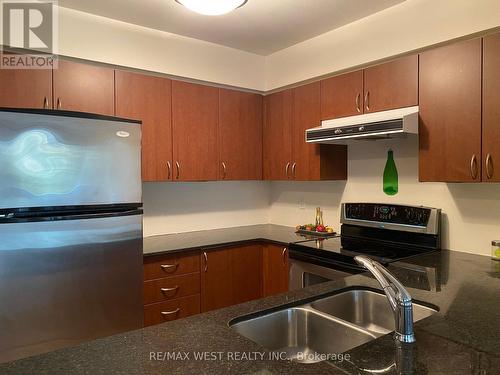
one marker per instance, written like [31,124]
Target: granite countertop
[171,243]
[462,338]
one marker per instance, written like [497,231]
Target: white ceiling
[260,26]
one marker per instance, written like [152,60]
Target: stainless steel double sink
[326,326]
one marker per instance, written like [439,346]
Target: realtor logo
[29,30]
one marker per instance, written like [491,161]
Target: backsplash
[471,212]
[172,207]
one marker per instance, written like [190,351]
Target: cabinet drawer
[163,266]
[166,311]
[171,287]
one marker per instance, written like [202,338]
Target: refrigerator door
[67,281]
[57,158]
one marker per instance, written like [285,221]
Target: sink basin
[327,326]
[366,309]
[300,332]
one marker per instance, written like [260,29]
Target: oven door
[304,273]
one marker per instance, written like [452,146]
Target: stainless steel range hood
[380,125]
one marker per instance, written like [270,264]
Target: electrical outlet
[302,204]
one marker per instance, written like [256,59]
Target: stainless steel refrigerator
[70,229]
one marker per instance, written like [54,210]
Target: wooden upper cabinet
[391,85]
[240,135]
[148,99]
[195,111]
[450,113]
[26,88]
[275,269]
[342,95]
[313,161]
[84,88]
[491,109]
[277,135]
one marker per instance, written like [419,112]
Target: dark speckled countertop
[462,338]
[170,243]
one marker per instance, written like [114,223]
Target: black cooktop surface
[331,249]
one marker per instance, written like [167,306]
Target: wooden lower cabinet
[230,275]
[211,279]
[159,266]
[169,288]
[160,312]
[274,269]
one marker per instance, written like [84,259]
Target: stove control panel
[390,216]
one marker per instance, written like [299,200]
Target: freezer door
[64,282]
[54,159]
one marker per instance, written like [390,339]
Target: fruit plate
[316,233]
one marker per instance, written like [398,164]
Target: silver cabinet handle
[59,103]
[169,170]
[284,255]
[205,257]
[167,313]
[367,100]
[166,290]
[224,169]
[166,267]
[45,103]
[473,167]
[286,169]
[358,98]
[178,174]
[489,166]
[293,169]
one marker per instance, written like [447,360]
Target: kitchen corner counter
[462,338]
[171,243]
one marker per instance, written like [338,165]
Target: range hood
[380,125]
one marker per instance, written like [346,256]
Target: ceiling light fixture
[212,7]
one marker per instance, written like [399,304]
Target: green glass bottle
[390,175]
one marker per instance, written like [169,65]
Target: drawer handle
[173,312]
[166,267]
[166,290]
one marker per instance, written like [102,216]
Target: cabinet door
[194,124]
[216,279]
[26,88]
[491,108]
[247,272]
[342,95]
[306,115]
[84,88]
[230,275]
[275,269]
[148,98]
[278,135]
[240,135]
[313,162]
[391,85]
[450,113]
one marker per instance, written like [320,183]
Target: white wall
[408,26]
[85,36]
[184,207]
[471,211]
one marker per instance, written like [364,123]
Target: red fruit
[320,228]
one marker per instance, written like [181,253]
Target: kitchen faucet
[398,296]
